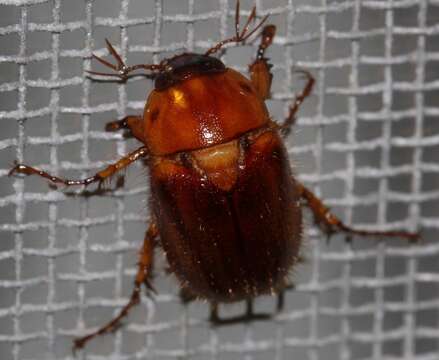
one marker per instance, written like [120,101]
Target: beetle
[225,204]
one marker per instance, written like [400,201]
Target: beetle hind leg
[186,296]
[143,277]
[248,316]
[281,297]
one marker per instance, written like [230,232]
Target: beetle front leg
[261,78]
[260,74]
[330,224]
[144,271]
[120,69]
[99,177]
[132,123]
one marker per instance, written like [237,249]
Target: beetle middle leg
[98,177]
[330,224]
[143,276]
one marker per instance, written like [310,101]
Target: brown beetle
[225,205]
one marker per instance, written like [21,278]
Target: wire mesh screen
[367,141]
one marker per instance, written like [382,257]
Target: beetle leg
[280,301]
[249,315]
[186,296]
[143,277]
[291,118]
[214,317]
[131,122]
[260,74]
[281,295]
[98,177]
[330,224]
[240,35]
[121,70]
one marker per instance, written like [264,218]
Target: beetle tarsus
[113,324]
[267,37]
[240,35]
[121,69]
[294,108]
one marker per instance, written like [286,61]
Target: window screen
[366,140]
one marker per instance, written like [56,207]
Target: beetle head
[184,66]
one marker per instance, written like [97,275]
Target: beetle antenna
[121,69]
[240,36]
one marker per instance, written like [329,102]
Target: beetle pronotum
[225,205]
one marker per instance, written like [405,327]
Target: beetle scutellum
[225,205]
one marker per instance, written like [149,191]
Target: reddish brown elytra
[225,204]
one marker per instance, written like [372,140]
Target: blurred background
[367,141]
